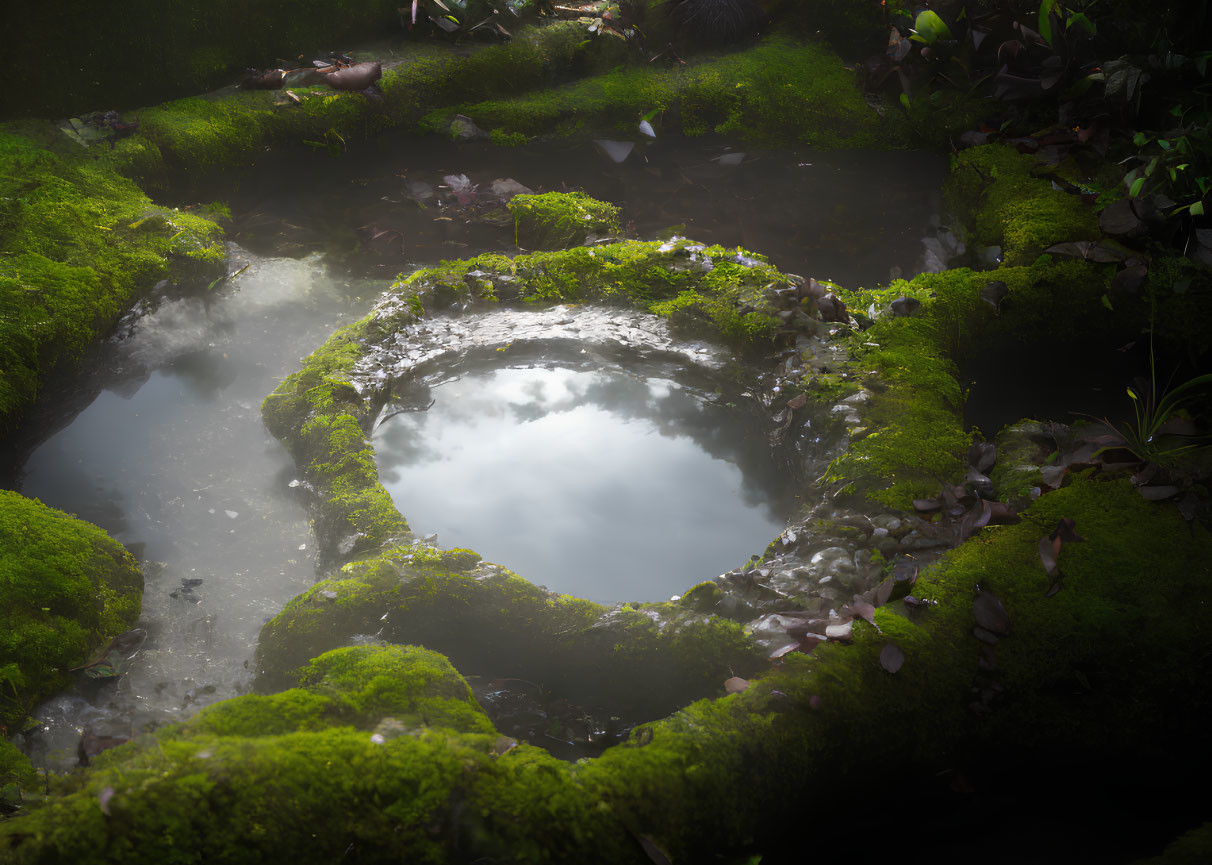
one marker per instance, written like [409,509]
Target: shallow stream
[172,459]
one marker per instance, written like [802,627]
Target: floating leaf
[891,657]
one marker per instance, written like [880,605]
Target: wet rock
[463,128]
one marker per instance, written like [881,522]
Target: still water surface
[597,484]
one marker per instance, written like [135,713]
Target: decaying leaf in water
[735,684]
[991,613]
[891,657]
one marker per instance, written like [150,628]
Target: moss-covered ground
[1070,691]
[378,752]
[777,92]
[66,589]
[78,243]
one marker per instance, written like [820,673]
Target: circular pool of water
[597,483]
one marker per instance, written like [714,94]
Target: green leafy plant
[1152,410]
[1177,163]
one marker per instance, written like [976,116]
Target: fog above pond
[598,484]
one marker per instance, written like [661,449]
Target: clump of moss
[913,438]
[777,92]
[356,686]
[16,774]
[558,220]
[66,588]
[1004,204]
[77,244]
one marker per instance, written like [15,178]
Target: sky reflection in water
[598,484]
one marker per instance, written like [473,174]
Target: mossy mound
[186,138]
[355,686]
[558,220]
[1003,203]
[324,417]
[776,92]
[1075,689]
[77,245]
[66,588]
[644,659]
[913,437]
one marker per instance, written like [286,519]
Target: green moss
[188,137]
[1192,848]
[657,658]
[355,686]
[16,775]
[78,243]
[66,588]
[778,92]
[557,220]
[501,138]
[1079,681]
[1005,205]
[912,439]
